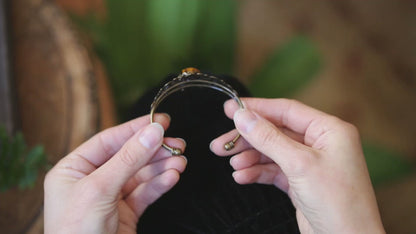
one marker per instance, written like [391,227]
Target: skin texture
[105,184]
[315,158]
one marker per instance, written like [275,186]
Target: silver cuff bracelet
[192,77]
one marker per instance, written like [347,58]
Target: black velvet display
[207,199]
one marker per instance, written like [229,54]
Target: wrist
[361,225]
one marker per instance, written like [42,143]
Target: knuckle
[128,156]
[104,139]
[290,103]
[293,102]
[333,121]
[351,130]
[343,127]
[268,136]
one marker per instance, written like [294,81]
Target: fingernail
[183,140]
[234,174]
[151,136]
[232,161]
[186,159]
[168,116]
[210,145]
[226,103]
[245,120]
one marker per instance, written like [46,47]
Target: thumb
[134,154]
[269,140]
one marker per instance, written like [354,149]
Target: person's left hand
[105,184]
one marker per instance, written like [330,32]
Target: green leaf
[16,158]
[214,46]
[35,157]
[171,30]
[28,179]
[124,49]
[287,70]
[385,165]
[142,41]
[18,167]
[4,151]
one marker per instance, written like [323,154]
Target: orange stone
[190,70]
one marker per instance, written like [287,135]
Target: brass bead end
[229,146]
[176,151]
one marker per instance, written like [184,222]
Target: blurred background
[69,68]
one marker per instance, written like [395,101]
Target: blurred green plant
[385,165]
[288,69]
[19,166]
[142,41]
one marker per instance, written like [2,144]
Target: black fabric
[206,199]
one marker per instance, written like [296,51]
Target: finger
[134,154]
[248,158]
[217,145]
[152,170]
[162,153]
[80,167]
[147,193]
[105,144]
[262,174]
[293,135]
[281,112]
[269,140]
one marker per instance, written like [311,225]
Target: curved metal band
[194,78]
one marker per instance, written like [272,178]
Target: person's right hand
[315,158]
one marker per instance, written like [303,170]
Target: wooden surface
[63,98]
[83,7]
[6,94]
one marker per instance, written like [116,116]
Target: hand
[105,184]
[314,157]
